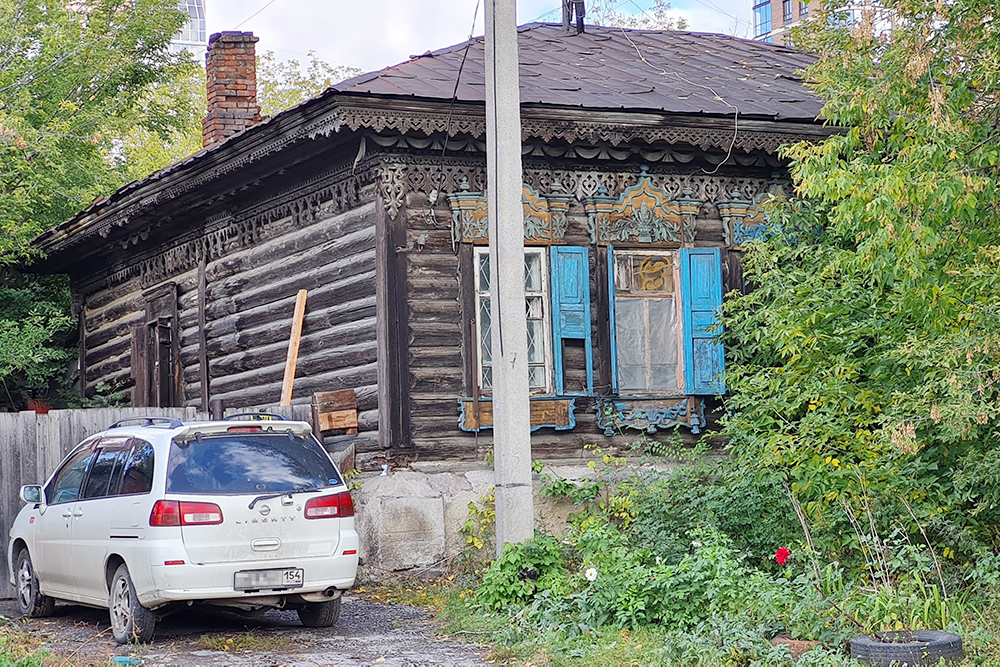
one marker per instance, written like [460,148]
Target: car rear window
[248,463]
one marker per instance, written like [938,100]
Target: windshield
[249,463]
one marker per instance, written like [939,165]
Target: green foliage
[70,82]
[34,316]
[867,358]
[520,571]
[657,17]
[479,526]
[281,84]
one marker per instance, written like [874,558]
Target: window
[662,316]
[786,11]
[156,351]
[535,298]
[138,477]
[646,320]
[762,19]
[104,474]
[803,9]
[65,486]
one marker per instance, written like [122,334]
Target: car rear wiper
[270,496]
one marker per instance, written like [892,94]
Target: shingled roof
[604,68]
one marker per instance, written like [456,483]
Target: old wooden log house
[646,155]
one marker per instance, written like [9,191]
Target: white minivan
[153,515]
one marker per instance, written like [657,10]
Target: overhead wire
[255,14]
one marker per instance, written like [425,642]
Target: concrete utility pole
[511,407]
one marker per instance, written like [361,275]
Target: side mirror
[31,494]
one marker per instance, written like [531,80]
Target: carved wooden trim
[642,214]
[327,194]
[557,413]
[402,174]
[650,414]
[744,220]
[544,215]
[383,118]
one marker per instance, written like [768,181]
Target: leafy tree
[657,17]
[281,84]
[865,364]
[73,76]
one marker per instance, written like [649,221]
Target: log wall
[249,298]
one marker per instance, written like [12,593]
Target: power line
[255,13]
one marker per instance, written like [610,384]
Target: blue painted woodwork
[701,294]
[650,414]
[611,319]
[571,309]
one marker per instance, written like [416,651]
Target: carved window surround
[650,414]
[544,215]
[557,413]
[744,220]
[642,214]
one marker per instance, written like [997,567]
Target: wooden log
[324,359]
[444,380]
[429,357]
[248,394]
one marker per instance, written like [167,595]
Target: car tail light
[244,429]
[327,507]
[179,513]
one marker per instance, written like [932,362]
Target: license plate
[253,580]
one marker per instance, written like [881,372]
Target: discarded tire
[906,649]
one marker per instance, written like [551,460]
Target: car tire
[30,602]
[130,621]
[320,614]
[921,647]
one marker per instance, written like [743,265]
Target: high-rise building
[772,19]
[192,35]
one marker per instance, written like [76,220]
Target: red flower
[781,555]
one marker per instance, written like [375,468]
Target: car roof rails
[255,416]
[162,422]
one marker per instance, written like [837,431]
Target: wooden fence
[32,445]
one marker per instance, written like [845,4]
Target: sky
[372,34]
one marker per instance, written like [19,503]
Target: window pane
[138,476]
[484,330]
[533,307]
[536,342]
[484,272]
[65,487]
[99,481]
[646,332]
[536,377]
[245,464]
[532,272]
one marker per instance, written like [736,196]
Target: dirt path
[368,633]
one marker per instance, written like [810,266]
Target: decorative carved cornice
[401,174]
[544,215]
[642,214]
[240,227]
[744,220]
[386,117]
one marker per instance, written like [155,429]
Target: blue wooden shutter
[571,308]
[701,294]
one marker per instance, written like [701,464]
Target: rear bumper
[173,583]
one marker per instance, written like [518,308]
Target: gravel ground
[367,633]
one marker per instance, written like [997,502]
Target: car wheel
[30,601]
[320,614]
[130,621]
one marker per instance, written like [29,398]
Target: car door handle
[67,514]
[78,513]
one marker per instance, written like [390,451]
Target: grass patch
[19,648]
[245,642]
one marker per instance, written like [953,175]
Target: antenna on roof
[569,7]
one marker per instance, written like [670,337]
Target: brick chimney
[231,68]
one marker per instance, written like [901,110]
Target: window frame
[544,297]
[614,253]
[762,24]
